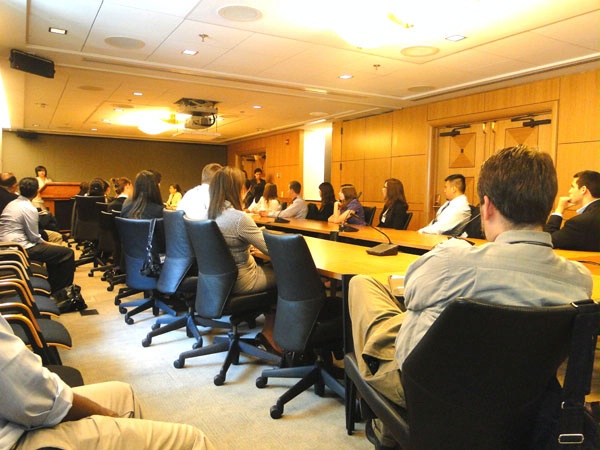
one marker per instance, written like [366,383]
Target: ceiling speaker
[31,64]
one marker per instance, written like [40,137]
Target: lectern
[58,198]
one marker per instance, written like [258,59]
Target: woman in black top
[395,206]
[146,202]
[123,189]
[327,200]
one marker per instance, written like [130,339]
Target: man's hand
[84,407]
[563,203]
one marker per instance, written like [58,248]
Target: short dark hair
[8,179]
[29,187]
[258,169]
[521,183]
[295,186]
[38,168]
[458,180]
[591,180]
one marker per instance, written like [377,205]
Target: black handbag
[69,299]
[152,262]
[564,422]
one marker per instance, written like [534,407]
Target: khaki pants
[129,432]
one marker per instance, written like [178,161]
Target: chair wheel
[110,288]
[219,380]
[122,310]
[178,363]
[197,345]
[128,320]
[155,311]
[276,412]
[146,342]
[155,326]
[320,389]
[90,274]
[261,382]
[117,300]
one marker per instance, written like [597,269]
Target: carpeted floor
[234,416]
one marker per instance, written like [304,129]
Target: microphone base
[347,228]
[383,250]
[281,220]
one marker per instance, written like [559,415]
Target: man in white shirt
[456,209]
[298,209]
[195,201]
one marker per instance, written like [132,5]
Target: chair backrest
[134,240]
[369,214]
[106,235]
[300,291]
[478,376]
[313,211]
[217,271]
[179,255]
[473,228]
[409,216]
[86,224]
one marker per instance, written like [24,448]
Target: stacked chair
[308,324]
[217,274]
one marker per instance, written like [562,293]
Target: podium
[58,198]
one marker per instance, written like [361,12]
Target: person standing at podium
[19,223]
[41,175]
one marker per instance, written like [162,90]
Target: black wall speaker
[31,64]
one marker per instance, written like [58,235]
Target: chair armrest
[20,287]
[27,326]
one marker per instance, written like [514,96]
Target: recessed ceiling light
[257,107]
[138,94]
[456,37]
[93,129]
[118,110]
[345,76]
[36,125]
[419,50]
[189,52]
[57,30]
[240,13]
[106,121]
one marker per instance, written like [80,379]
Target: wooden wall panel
[410,131]
[456,107]
[336,141]
[353,139]
[412,171]
[352,172]
[525,94]
[579,113]
[376,172]
[378,136]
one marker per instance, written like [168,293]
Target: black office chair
[313,211]
[409,216]
[306,322]
[470,226]
[105,246]
[174,278]
[477,378]
[369,214]
[217,274]
[86,227]
[134,240]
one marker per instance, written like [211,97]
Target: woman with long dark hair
[146,202]
[348,208]
[395,206]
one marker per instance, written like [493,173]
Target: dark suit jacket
[5,198]
[395,217]
[581,232]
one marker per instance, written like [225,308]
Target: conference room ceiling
[287,60]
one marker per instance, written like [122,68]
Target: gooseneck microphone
[388,249]
[280,219]
[345,227]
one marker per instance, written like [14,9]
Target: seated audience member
[254,195]
[41,175]
[242,234]
[456,209]
[146,202]
[255,188]
[8,189]
[581,232]
[195,201]
[518,267]
[124,189]
[174,197]
[268,201]
[38,410]
[327,195]
[84,187]
[19,223]
[99,187]
[297,209]
[395,206]
[348,209]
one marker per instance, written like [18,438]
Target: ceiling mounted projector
[203,112]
